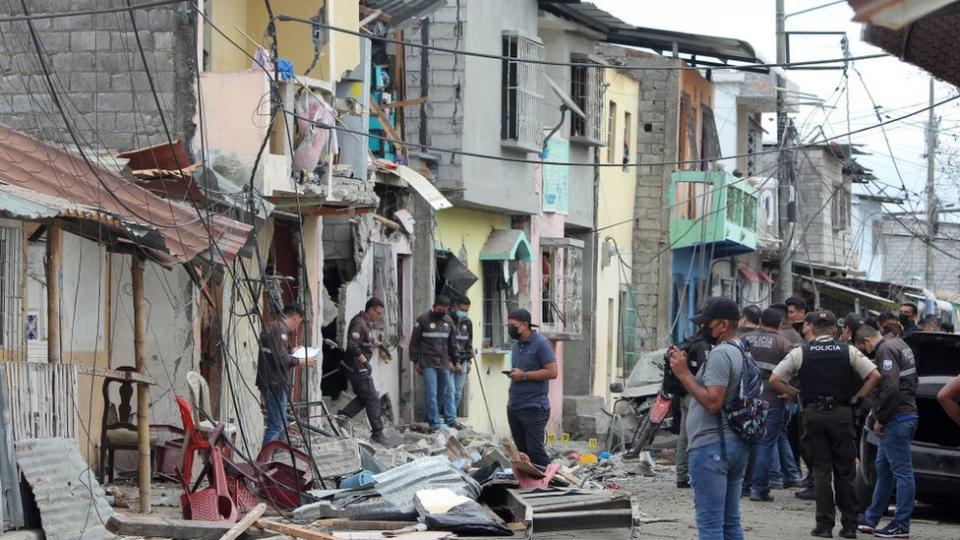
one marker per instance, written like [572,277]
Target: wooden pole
[54,269]
[143,390]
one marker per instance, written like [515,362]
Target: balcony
[712,208]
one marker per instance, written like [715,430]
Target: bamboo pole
[54,269]
[143,390]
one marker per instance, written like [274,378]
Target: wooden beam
[115,374]
[143,390]
[54,269]
[161,527]
[294,530]
[387,127]
[404,103]
[366,20]
[245,523]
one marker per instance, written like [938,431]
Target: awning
[765,276]
[748,273]
[850,291]
[506,245]
[41,168]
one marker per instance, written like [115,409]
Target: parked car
[935,449]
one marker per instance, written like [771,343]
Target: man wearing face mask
[434,353]
[895,418]
[908,319]
[464,346]
[528,406]
[830,374]
[717,456]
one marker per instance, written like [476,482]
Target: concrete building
[904,254]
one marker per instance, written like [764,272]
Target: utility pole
[931,192]
[784,287]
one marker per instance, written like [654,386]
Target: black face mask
[871,355]
[905,320]
[438,314]
[707,334]
[514,332]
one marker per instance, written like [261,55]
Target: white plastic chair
[200,399]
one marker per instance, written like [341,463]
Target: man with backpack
[834,376]
[720,428]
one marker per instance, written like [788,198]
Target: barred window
[521,107]
[586,88]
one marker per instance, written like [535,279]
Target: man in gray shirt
[717,456]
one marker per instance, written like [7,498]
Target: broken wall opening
[340,267]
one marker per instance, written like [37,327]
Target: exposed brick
[83,40]
[119,102]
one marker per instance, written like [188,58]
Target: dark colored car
[936,447]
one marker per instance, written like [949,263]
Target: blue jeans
[275,402]
[894,467]
[717,478]
[459,381]
[767,448]
[439,387]
[783,464]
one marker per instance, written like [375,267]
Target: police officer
[894,411]
[768,348]
[461,316]
[434,353]
[356,365]
[833,376]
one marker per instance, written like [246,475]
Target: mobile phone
[507,372]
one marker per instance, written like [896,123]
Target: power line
[742,67]
[43,16]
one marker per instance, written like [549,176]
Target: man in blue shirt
[534,365]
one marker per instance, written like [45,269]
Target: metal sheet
[71,502]
[41,168]
[9,477]
[570,509]
[337,458]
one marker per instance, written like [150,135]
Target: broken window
[562,291]
[692,200]
[586,87]
[841,208]
[500,289]
[385,288]
[521,107]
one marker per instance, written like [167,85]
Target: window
[586,87]
[562,291]
[627,138]
[754,144]
[734,205]
[692,200]
[841,208]
[521,101]
[630,341]
[499,284]
[749,212]
[612,133]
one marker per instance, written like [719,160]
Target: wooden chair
[117,428]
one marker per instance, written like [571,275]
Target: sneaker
[457,426]
[892,531]
[821,533]
[848,533]
[806,494]
[762,497]
[683,484]
[865,527]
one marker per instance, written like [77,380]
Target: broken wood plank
[366,20]
[151,526]
[567,475]
[404,103]
[389,223]
[387,127]
[294,530]
[115,374]
[360,525]
[245,523]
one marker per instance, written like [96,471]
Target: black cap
[824,318]
[521,315]
[718,308]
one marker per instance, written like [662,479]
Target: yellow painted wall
[295,42]
[615,207]
[461,228]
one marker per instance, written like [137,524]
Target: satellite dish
[564,98]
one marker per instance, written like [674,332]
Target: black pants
[367,397]
[528,427]
[828,440]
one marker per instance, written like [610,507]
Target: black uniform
[275,363]
[465,341]
[897,392]
[827,382]
[434,341]
[359,373]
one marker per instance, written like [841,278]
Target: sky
[896,87]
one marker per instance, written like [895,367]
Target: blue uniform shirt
[534,353]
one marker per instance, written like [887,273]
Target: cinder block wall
[98,74]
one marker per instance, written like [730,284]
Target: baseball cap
[717,308]
[824,318]
[521,315]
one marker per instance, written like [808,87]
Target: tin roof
[71,502]
[73,185]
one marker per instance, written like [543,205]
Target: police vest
[826,371]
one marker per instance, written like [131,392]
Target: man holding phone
[534,365]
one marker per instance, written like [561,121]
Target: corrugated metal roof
[617,31]
[401,11]
[33,165]
[71,502]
